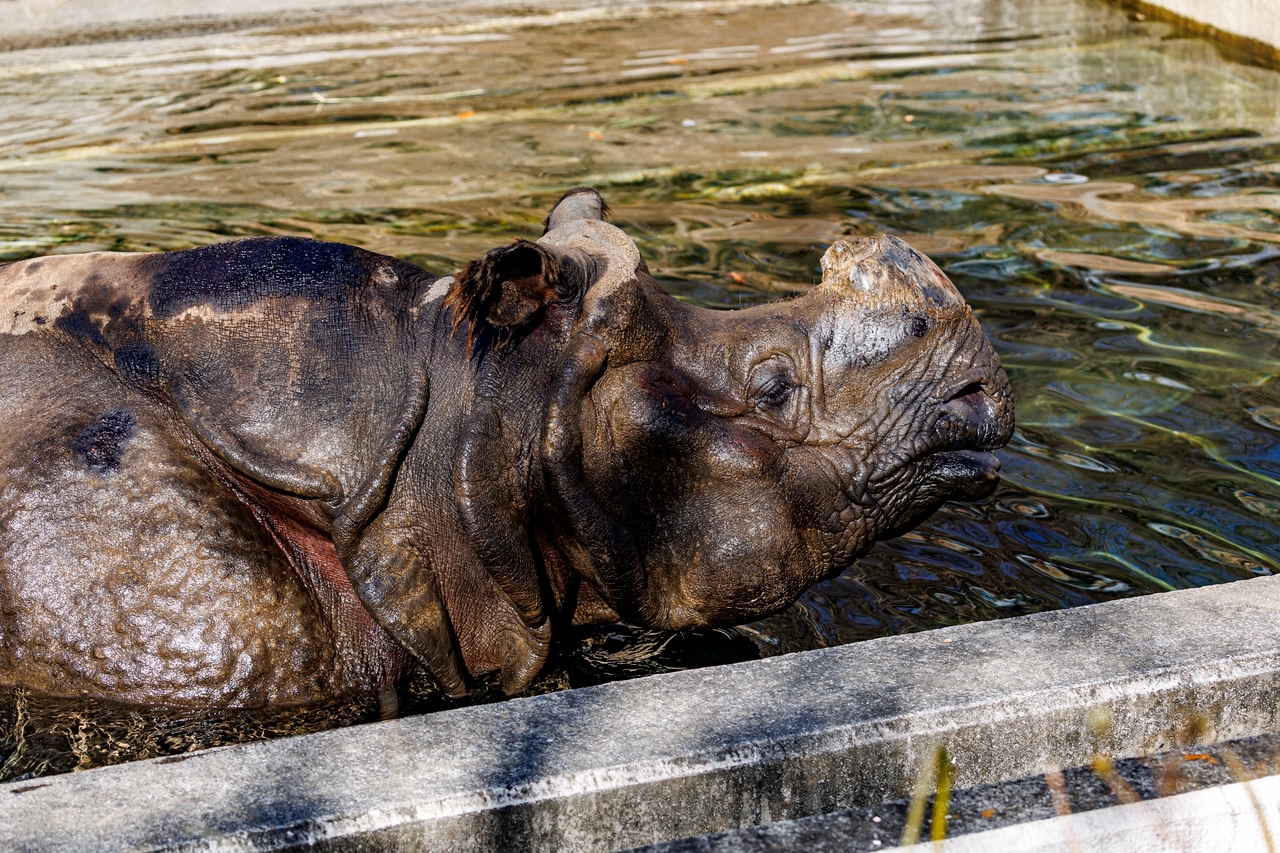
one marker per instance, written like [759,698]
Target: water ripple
[1119,241]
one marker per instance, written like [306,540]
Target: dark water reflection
[1103,191]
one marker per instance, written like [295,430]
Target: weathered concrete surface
[1029,809]
[1240,818]
[679,755]
[1253,25]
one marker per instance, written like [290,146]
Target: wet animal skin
[279,471]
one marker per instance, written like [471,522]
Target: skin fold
[279,471]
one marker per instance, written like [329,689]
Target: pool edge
[688,753]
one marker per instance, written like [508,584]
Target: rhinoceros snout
[977,415]
[887,269]
[980,413]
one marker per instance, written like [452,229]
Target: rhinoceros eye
[776,391]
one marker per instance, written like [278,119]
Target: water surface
[1103,190]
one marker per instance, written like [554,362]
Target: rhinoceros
[279,471]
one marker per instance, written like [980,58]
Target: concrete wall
[683,754]
[1252,19]
[1253,25]
[1206,799]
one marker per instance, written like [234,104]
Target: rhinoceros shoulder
[235,275]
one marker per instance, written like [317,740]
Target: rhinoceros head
[702,467]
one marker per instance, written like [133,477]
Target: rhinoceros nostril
[972,390]
[970,410]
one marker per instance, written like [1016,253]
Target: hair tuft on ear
[497,294]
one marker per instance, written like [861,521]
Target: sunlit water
[1103,191]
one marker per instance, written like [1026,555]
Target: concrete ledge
[1110,805]
[1240,817]
[1251,26]
[684,754]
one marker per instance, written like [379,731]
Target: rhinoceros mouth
[960,464]
[981,461]
[955,461]
[929,480]
[965,474]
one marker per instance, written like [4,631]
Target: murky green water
[1103,190]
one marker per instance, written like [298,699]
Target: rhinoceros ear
[506,288]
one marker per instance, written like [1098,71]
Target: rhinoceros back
[233,276]
[137,564]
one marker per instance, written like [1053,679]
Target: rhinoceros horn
[888,270]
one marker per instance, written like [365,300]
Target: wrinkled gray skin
[278,471]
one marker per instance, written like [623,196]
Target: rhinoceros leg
[127,569]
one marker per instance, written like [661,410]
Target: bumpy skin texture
[279,471]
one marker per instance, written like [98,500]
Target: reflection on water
[1102,190]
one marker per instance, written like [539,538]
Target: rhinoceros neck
[465,495]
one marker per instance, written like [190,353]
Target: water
[1103,190]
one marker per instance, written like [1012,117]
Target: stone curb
[688,753]
[1240,818]
[1085,806]
[1250,26]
